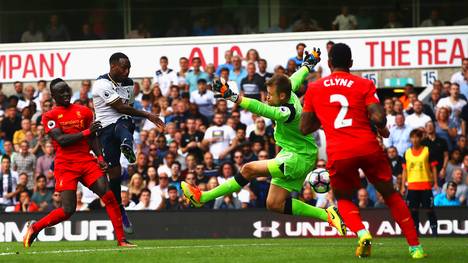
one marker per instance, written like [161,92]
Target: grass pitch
[234,250]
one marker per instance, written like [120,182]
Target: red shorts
[67,175]
[344,174]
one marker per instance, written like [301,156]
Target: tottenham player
[113,98]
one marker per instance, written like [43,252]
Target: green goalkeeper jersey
[287,117]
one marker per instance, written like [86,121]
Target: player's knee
[69,208]
[247,171]
[274,206]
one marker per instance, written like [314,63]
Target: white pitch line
[132,249]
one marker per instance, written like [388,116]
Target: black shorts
[420,199]
[111,138]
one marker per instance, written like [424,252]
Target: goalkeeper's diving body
[292,164]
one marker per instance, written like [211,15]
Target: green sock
[228,187]
[362,232]
[300,208]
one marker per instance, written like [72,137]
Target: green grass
[233,250]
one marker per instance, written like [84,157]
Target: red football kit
[340,103]
[73,163]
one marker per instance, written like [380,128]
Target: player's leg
[100,187]
[54,217]
[124,128]
[427,205]
[413,200]
[379,174]
[111,154]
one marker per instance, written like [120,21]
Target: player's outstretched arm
[64,139]
[378,118]
[123,108]
[310,61]
[309,123]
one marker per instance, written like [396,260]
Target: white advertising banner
[372,50]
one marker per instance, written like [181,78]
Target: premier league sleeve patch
[51,124]
[106,94]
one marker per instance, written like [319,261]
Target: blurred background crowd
[207,140]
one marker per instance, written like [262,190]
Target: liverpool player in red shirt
[346,106]
[73,132]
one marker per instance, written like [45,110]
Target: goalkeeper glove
[222,90]
[311,59]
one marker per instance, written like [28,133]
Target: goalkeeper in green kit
[292,164]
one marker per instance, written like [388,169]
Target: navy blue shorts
[112,136]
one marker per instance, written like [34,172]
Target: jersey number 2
[340,121]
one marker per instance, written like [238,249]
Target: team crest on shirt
[78,113]
[51,124]
[60,116]
[284,109]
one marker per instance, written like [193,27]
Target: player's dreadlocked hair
[282,84]
[340,55]
[116,57]
[55,81]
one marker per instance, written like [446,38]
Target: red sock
[54,217]
[350,213]
[113,211]
[402,215]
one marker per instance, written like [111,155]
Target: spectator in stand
[165,77]
[56,31]
[20,135]
[454,162]
[279,70]
[41,196]
[182,74]
[204,99]
[127,203]
[308,196]
[262,70]
[144,202]
[405,100]
[253,86]
[448,197]
[345,20]
[227,64]
[290,68]
[435,97]
[196,74]
[160,192]
[461,191]
[202,27]
[305,23]
[18,89]
[459,77]
[399,135]
[464,85]
[453,102]
[323,70]
[363,200]
[393,21]
[10,123]
[25,162]
[390,113]
[445,128]
[191,140]
[439,149]
[461,145]
[433,20]
[396,161]
[252,56]
[238,72]
[28,97]
[420,177]
[211,169]
[135,187]
[84,89]
[8,183]
[446,89]
[210,70]
[176,29]
[300,48]
[227,202]
[218,137]
[418,119]
[7,149]
[25,204]
[32,34]
[80,206]
[140,32]
[172,202]
[87,33]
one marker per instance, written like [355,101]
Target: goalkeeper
[292,164]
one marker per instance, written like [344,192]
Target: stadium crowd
[207,140]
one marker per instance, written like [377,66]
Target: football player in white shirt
[113,99]
[165,77]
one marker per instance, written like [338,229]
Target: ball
[319,179]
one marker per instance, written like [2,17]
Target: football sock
[230,186]
[113,211]
[402,216]
[300,208]
[115,187]
[350,214]
[54,217]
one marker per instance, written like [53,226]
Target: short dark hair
[146,97]
[282,84]
[17,82]
[201,81]
[262,60]
[41,81]
[145,190]
[183,58]
[54,82]
[164,57]
[452,184]
[447,82]
[416,132]
[456,84]
[224,69]
[6,157]
[465,59]
[340,55]
[330,43]
[300,44]
[171,187]
[41,176]
[196,58]
[116,57]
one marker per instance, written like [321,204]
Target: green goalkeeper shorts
[289,170]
